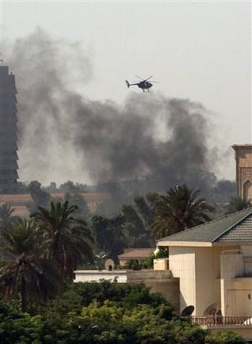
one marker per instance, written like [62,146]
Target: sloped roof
[233,228]
[136,253]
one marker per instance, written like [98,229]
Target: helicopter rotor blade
[143,78]
[139,77]
[149,77]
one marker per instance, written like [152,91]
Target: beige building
[213,262]
[243,157]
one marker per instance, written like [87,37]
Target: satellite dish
[187,312]
[248,321]
[109,264]
[213,309]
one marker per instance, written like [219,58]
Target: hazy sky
[195,50]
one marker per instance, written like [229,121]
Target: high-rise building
[8,132]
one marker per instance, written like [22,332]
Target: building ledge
[243,279]
[123,276]
[99,275]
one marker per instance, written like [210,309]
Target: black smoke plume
[64,136]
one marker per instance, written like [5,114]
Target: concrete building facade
[213,263]
[8,132]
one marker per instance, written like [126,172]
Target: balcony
[223,321]
[241,325]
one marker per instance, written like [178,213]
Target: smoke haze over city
[63,135]
[78,120]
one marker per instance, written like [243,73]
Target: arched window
[247,190]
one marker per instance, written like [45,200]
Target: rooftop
[136,253]
[230,229]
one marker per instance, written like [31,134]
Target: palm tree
[69,239]
[237,204]
[6,215]
[109,234]
[26,273]
[180,209]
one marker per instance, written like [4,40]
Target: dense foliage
[39,256]
[105,313]
[237,204]
[220,192]
[25,274]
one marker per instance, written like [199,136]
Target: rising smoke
[65,136]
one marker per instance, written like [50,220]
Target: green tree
[186,333]
[25,271]
[162,252]
[82,294]
[109,234]
[16,327]
[91,313]
[223,191]
[237,204]
[69,186]
[138,218]
[78,199]
[225,337]
[145,206]
[6,215]
[117,197]
[180,209]
[69,239]
[39,196]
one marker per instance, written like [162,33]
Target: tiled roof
[136,253]
[231,228]
[240,233]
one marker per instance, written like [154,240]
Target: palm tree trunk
[23,296]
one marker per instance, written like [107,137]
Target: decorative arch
[247,190]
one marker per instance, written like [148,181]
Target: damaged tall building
[8,132]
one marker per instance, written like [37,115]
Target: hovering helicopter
[145,85]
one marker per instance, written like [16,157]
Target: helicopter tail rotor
[127,83]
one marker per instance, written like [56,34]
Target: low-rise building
[137,254]
[213,262]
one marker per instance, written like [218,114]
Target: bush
[225,337]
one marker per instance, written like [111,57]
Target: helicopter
[145,85]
